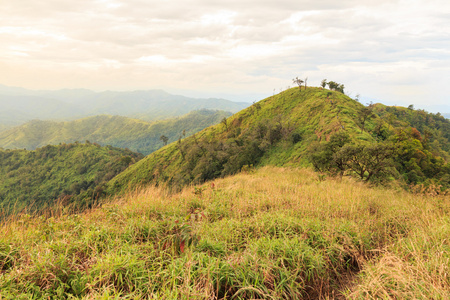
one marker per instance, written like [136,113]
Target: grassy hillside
[318,127]
[136,135]
[273,233]
[275,130]
[68,173]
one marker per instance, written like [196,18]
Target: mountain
[117,131]
[446,115]
[318,127]
[21,105]
[68,173]
[19,109]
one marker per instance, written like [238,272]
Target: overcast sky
[394,52]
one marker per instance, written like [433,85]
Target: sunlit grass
[271,233]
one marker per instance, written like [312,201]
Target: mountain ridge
[22,105]
[136,135]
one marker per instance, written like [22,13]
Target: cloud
[379,48]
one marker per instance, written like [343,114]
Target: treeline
[417,156]
[72,174]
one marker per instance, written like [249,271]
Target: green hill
[327,129]
[117,131]
[68,173]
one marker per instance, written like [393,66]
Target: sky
[394,52]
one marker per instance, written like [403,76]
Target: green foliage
[136,135]
[276,130]
[69,174]
[299,128]
[335,86]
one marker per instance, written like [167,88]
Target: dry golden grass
[273,233]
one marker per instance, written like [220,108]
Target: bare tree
[298,81]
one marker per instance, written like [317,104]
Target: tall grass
[273,233]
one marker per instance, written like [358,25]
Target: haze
[396,52]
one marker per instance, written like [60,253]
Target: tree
[323,83]
[366,161]
[164,139]
[298,81]
[332,85]
[322,154]
[225,123]
[365,113]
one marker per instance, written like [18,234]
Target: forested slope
[70,173]
[136,135]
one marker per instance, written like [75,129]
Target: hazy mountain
[446,115]
[20,105]
[117,131]
[19,109]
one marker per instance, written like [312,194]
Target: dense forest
[69,173]
[136,135]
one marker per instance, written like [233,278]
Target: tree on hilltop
[335,86]
[298,81]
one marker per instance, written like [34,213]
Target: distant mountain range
[446,115]
[21,105]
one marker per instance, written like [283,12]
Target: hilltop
[303,128]
[136,135]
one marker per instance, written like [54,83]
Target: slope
[117,131]
[276,130]
[72,173]
[276,233]
[296,127]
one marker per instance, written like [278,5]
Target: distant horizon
[394,51]
[248,98]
